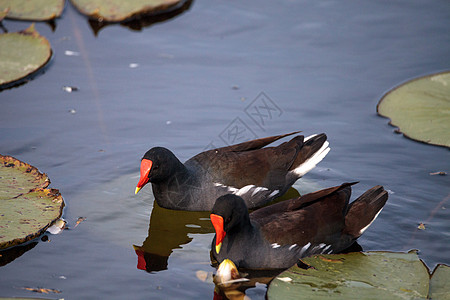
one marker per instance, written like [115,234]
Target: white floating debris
[72,111]
[441,173]
[70,89]
[285,279]
[275,245]
[57,227]
[227,274]
[71,53]
[204,276]
[133,65]
[168,122]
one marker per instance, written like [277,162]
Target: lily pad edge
[30,76]
[397,129]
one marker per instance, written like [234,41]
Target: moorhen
[276,236]
[247,169]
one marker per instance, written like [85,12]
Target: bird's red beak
[217,222]
[146,165]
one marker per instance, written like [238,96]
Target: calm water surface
[321,66]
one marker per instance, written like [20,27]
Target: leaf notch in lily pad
[32,10]
[27,207]
[119,10]
[359,275]
[21,55]
[420,108]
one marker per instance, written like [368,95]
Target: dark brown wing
[315,217]
[290,205]
[253,144]
[249,164]
[363,211]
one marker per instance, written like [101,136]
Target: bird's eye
[228,220]
[155,167]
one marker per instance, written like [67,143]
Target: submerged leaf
[119,10]
[32,10]
[21,54]
[421,109]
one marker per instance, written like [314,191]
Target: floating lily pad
[32,10]
[22,54]
[420,108]
[17,177]
[119,10]
[358,275]
[27,208]
[3,14]
[439,283]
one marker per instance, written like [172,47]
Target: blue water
[322,66]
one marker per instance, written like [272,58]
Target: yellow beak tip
[218,248]
[137,190]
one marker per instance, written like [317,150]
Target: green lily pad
[119,10]
[420,108]
[32,10]
[3,14]
[17,177]
[27,208]
[22,54]
[439,283]
[358,275]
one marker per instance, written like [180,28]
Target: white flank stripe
[305,248]
[233,190]
[258,189]
[274,193]
[275,245]
[292,246]
[244,190]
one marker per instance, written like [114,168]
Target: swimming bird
[256,173]
[276,236]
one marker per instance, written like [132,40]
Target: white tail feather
[311,162]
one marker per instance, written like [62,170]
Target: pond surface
[185,84]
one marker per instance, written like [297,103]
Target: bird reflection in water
[168,230]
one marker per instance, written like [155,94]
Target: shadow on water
[168,230]
[142,21]
[9,255]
